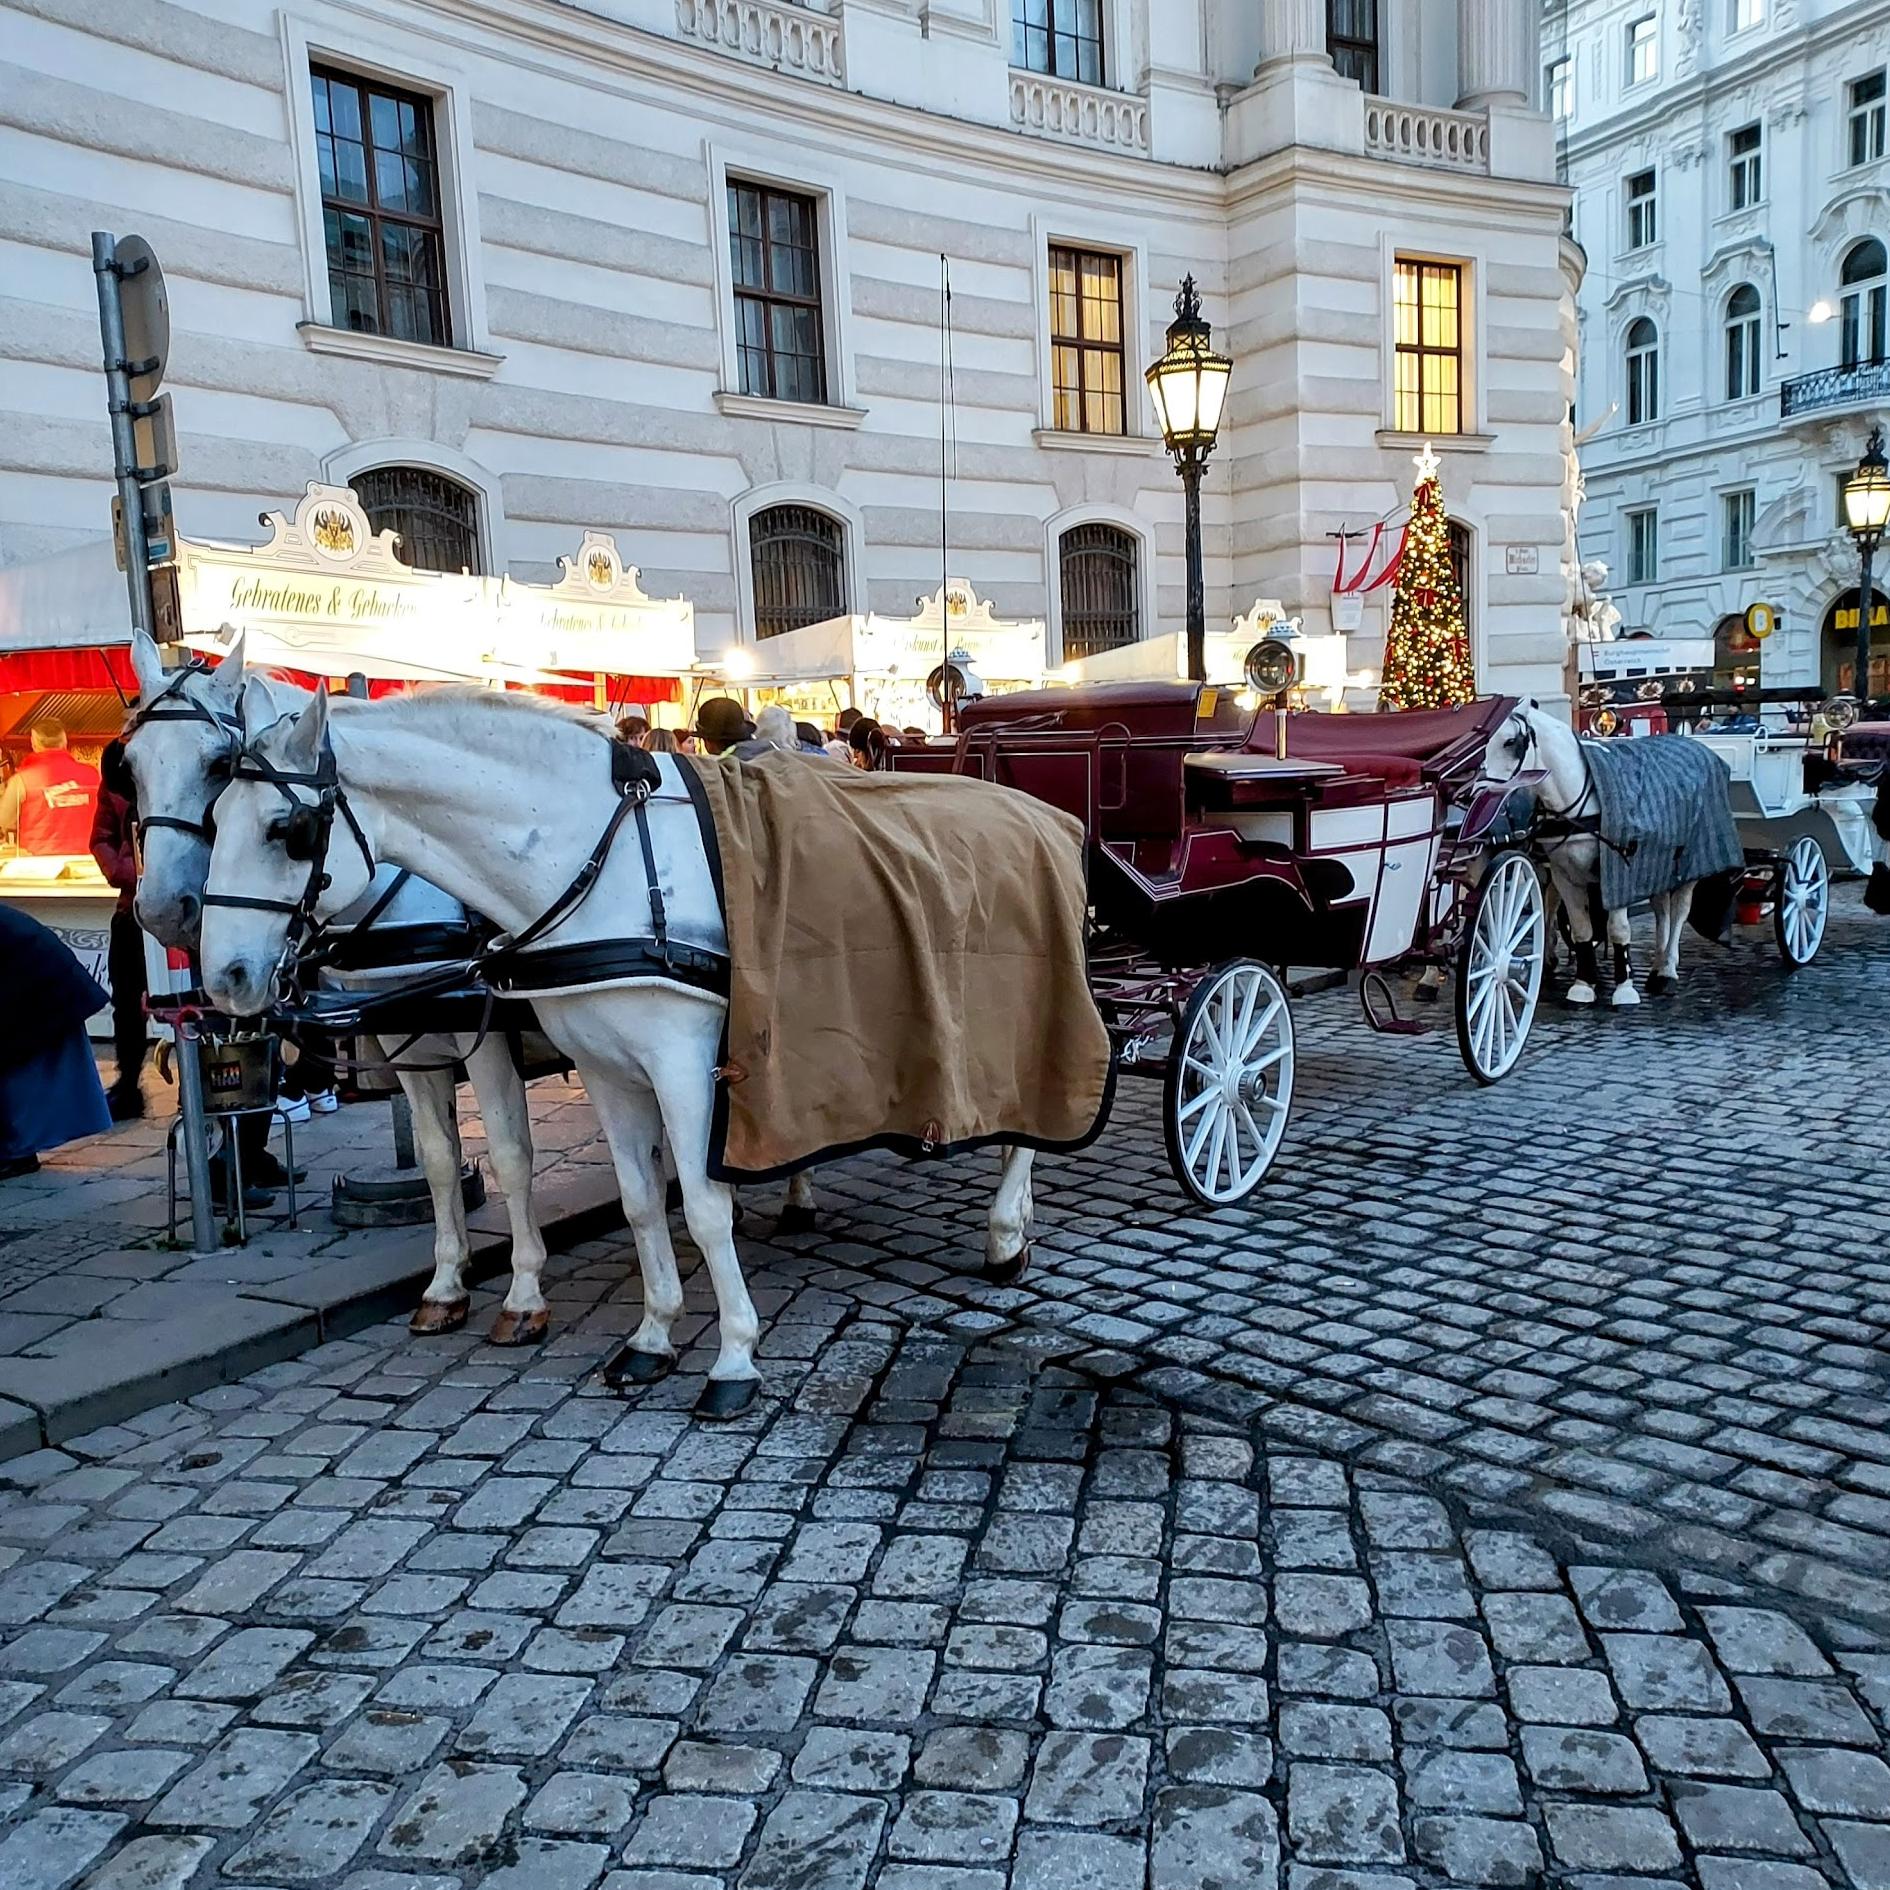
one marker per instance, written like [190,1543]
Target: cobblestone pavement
[1498,1500]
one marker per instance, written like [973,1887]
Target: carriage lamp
[1189,388]
[1867,512]
[1272,670]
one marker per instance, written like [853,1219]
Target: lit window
[1867,119]
[1740,510]
[774,249]
[1558,88]
[1096,573]
[1643,207]
[1743,362]
[1428,346]
[1863,282]
[1735,654]
[1086,340]
[380,181]
[798,562]
[1352,40]
[1643,546]
[1643,50]
[1747,14]
[1060,37]
[1643,373]
[1747,178]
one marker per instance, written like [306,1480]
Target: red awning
[49,670]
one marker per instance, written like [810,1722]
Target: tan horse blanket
[906,966]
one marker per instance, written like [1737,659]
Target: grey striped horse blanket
[1666,815]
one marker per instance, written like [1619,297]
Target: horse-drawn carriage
[1216,863]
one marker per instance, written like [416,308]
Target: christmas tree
[1427,649]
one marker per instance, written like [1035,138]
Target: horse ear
[258,708]
[308,732]
[228,678]
[146,664]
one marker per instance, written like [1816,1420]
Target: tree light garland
[1427,649]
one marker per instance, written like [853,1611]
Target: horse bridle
[171,704]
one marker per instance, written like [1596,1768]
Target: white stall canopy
[880,664]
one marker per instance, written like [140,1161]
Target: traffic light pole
[109,273]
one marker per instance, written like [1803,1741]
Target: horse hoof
[1580,994]
[1008,1272]
[631,1367]
[795,1219]
[1659,984]
[434,1316]
[516,1328]
[1624,995]
[725,1398]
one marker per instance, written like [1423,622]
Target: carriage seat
[1405,746]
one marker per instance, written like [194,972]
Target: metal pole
[111,327]
[1861,684]
[1190,470]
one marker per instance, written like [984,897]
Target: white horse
[180,759]
[1532,738]
[499,799]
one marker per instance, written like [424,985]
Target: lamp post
[1867,512]
[1189,388]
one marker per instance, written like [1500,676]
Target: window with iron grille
[1643,210]
[1743,361]
[381,225]
[1866,125]
[1643,546]
[1086,340]
[1747,178]
[1740,511]
[1643,373]
[1063,38]
[1427,338]
[797,555]
[1643,50]
[1863,280]
[774,249]
[437,518]
[1097,582]
[1352,40]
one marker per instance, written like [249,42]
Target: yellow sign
[1761,620]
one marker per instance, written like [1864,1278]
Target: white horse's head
[1531,739]
[1514,746]
[288,850]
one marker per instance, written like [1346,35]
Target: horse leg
[685,1093]
[432,1098]
[1666,913]
[1621,937]
[1007,1234]
[797,1212]
[524,1318]
[631,1124]
[1582,930]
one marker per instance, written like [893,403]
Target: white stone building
[1732,195]
[672,268]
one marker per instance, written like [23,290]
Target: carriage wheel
[1230,1083]
[1803,901]
[1500,976]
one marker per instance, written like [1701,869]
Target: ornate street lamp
[1189,387]
[1867,512]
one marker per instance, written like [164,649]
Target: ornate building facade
[1732,194]
[674,268]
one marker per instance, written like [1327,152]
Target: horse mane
[507,701]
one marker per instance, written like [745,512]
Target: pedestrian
[308,1082]
[49,1088]
[807,737]
[774,728]
[48,802]
[632,728]
[660,741]
[721,722]
[115,848]
[867,744]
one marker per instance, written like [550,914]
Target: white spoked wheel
[1803,902]
[1500,978]
[1230,1083]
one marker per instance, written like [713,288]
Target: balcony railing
[1861,385]
[785,38]
[1084,114]
[1418,134]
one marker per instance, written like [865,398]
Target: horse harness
[171,704]
[1557,830]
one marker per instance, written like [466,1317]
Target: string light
[1427,649]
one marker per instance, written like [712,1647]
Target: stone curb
[44,1401]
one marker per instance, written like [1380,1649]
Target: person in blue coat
[49,1088]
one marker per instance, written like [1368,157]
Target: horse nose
[189,911]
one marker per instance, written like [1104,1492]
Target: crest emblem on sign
[332,532]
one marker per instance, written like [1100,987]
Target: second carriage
[1223,858]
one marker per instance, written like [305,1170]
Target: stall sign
[1761,620]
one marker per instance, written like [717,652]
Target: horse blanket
[1666,816]
[906,966]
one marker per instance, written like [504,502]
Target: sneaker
[324,1102]
[292,1108]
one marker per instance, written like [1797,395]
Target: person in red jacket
[49,801]
[115,848]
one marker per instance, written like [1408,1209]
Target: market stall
[880,665]
[325,597]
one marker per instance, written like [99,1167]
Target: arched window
[1461,539]
[1735,655]
[1840,644]
[1643,373]
[1862,282]
[437,518]
[1742,342]
[797,554]
[1097,582]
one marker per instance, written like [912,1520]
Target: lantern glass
[1867,501]
[1189,383]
